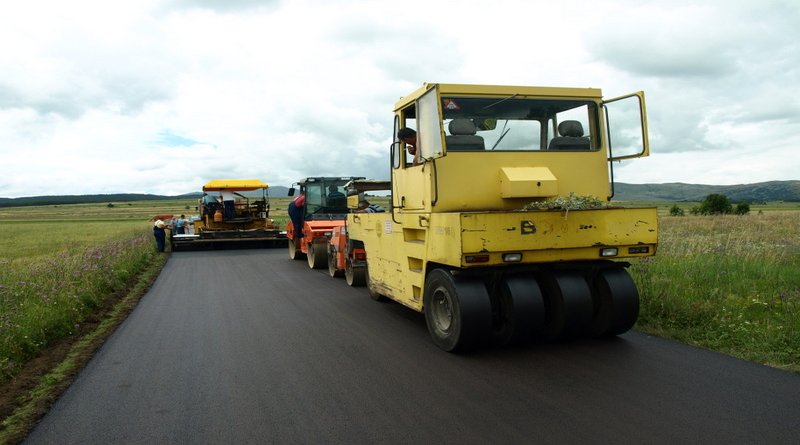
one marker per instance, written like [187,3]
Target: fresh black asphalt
[247,346]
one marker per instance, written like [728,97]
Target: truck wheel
[317,256]
[457,311]
[332,270]
[354,275]
[520,311]
[294,252]
[569,304]
[616,302]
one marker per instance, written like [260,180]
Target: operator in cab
[409,137]
[365,207]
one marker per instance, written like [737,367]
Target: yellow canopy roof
[246,185]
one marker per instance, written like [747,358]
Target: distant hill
[276,192]
[80,199]
[759,192]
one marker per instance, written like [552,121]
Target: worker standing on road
[160,233]
[180,225]
[295,211]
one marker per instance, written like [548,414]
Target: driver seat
[571,137]
[462,136]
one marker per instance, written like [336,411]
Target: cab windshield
[518,124]
[326,196]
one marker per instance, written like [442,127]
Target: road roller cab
[320,206]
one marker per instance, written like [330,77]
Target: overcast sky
[152,96]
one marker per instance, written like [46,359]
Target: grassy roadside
[29,397]
[727,283]
[48,294]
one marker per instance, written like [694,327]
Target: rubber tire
[616,302]
[295,253]
[521,310]
[568,300]
[317,257]
[457,311]
[332,270]
[355,276]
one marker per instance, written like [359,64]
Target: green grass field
[729,283]
[46,293]
[664,206]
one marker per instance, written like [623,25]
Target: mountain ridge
[275,192]
[678,191]
[673,191]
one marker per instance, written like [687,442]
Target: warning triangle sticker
[450,104]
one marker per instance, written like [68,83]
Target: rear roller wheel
[317,256]
[332,270]
[354,275]
[569,304]
[294,252]
[457,311]
[616,302]
[520,312]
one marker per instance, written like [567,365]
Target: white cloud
[159,97]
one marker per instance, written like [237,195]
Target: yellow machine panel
[527,182]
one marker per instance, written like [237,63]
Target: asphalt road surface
[247,346]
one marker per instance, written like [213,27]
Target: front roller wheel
[354,275]
[294,252]
[332,270]
[457,311]
[317,256]
[616,302]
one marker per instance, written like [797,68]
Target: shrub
[716,204]
[742,208]
[676,211]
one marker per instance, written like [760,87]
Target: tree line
[79,199]
[714,204]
